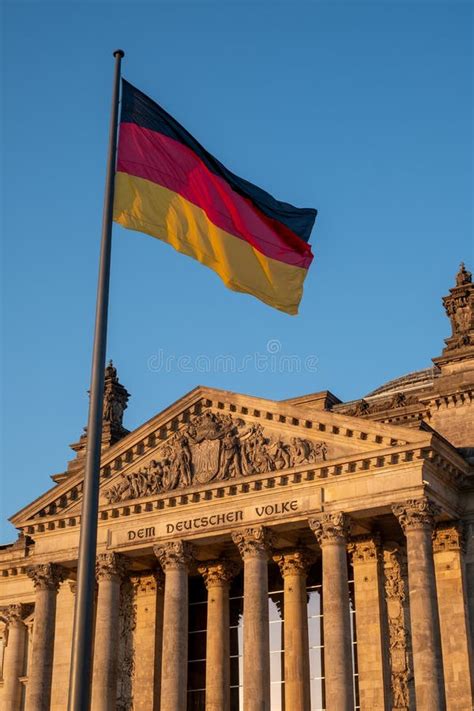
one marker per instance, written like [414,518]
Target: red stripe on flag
[162,160]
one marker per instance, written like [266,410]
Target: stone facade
[310,554]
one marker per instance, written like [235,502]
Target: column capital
[254,541]
[174,555]
[416,514]
[330,527]
[109,566]
[46,576]
[449,536]
[364,548]
[218,573]
[296,561]
[15,613]
[148,582]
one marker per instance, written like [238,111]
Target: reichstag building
[259,555]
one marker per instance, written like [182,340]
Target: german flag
[168,186]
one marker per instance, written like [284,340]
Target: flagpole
[80,673]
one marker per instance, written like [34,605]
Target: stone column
[448,550]
[217,576]
[14,660]
[416,518]
[331,531]
[294,566]
[46,579]
[368,592]
[149,591]
[175,558]
[110,569]
[254,547]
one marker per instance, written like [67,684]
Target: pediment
[211,436]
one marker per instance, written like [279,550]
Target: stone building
[305,554]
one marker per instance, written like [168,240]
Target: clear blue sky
[363,110]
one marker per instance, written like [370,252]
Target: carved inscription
[214,447]
[218,519]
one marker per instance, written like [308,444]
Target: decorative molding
[364,549]
[416,514]
[218,573]
[174,555]
[46,576]
[149,582]
[254,541]
[331,527]
[449,536]
[110,566]
[296,561]
[214,447]
[395,597]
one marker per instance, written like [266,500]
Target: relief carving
[449,537]
[126,655]
[214,447]
[364,549]
[396,615]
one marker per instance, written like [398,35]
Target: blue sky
[363,110]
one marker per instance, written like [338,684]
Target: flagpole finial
[119,53]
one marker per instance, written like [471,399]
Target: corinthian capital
[218,573]
[46,576]
[330,527]
[295,562]
[416,514]
[448,537]
[254,541]
[109,566]
[14,613]
[174,555]
[364,548]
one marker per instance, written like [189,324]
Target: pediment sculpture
[214,447]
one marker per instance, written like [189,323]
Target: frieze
[214,447]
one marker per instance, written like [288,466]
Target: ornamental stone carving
[109,566]
[126,648]
[174,555]
[297,561]
[14,613]
[416,514]
[46,576]
[459,307]
[330,527]
[253,541]
[449,537]
[214,447]
[218,573]
[148,582]
[395,596]
[364,549]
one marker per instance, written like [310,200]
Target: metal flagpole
[80,674]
